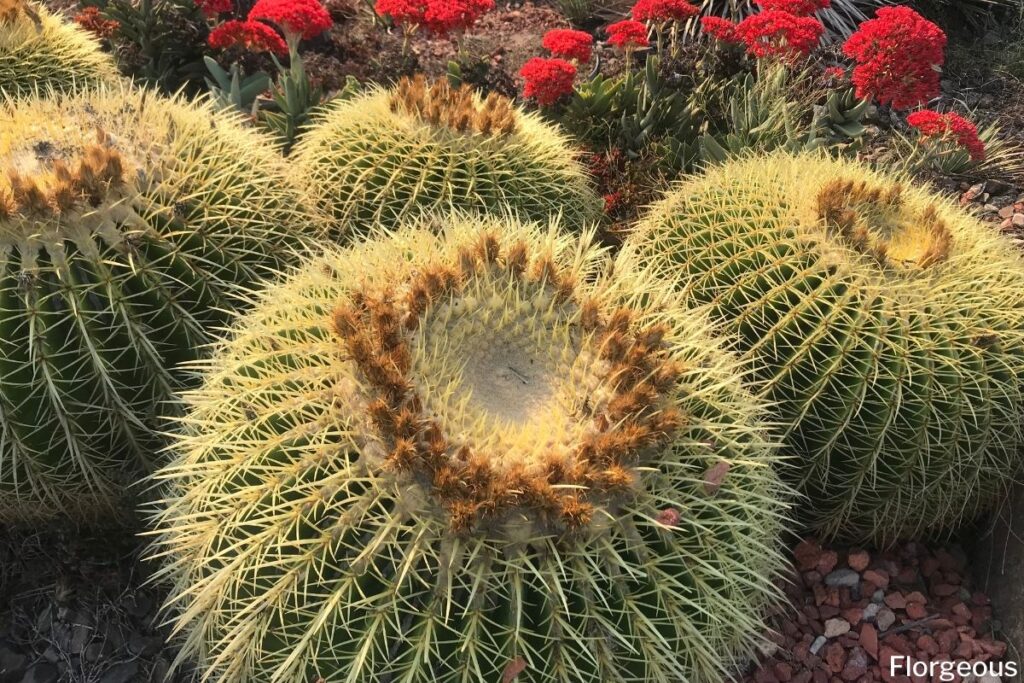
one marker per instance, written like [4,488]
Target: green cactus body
[884,323]
[128,223]
[41,52]
[461,452]
[386,156]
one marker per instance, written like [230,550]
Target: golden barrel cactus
[128,225]
[462,452]
[390,155]
[886,325]
[39,51]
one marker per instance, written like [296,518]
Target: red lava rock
[996,649]
[927,644]
[947,640]
[807,554]
[765,675]
[907,575]
[828,611]
[783,671]
[820,676]
[833,597]
[979,599]
[961,610]
[940,623]
[835,657]
[948,561]
[879,578]
[854,615]
[916,610]
[929,566]
[917,596]
[897,642]
[827,561]
[820,594]
[803,677]
[858,561]
[869,640]
[812,577]
[896,600]
[944,590]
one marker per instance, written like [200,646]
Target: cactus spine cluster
[40,52]
[886,325]
[462,452]
[389,155]
[128,223]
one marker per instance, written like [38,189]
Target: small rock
[807,554]
[827,561]
[896,600]
[818,643]
[916,610]
[871,611]
[859,560]
[878,597]
[1006,211]
[869,640]
[876,578]
[885,619]
[843,578]
[990,208]
[997,187]
[1018,220]
[836,627]
[43,672]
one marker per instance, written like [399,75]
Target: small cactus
[128,223]
[465,452]
[389,155]
[41,52]
[885,324]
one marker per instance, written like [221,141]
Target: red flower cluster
[569,44]
[771,33]
[800,8]
[628,34]
[663,10]
[250,35]
[719,29]
[437,16]
[896,57]
[91,20]
[305,18]
[211,8]
[547,80]
[931,124]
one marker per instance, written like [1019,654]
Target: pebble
[871,611]
[818,643]
[843,578]
[859,560]
[836,627]
[885,619]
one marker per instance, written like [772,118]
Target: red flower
[444,16]
[931,124]
[437,16]
[91,20]
[720,29]
[306,18]
[211,8]
[401,11]
[897,55]
[801,8]
[628,34]
[663,10]
[569,44]
[774,33]
[250,35]
[547,80]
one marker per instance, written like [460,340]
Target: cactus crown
[875,220]
[88,176]
[460,110]
[11,9]
[494,423]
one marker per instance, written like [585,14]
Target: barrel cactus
[462,452]
[883,322]
[39,50]
[127,224]
[388,155]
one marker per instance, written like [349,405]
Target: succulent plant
[886,324]
[389,155]
[127,224]
[40,51]
[463,451]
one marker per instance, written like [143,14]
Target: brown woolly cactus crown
[463,450]
[459,109]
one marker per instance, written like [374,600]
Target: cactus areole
[463,451]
